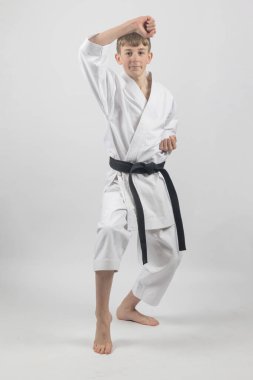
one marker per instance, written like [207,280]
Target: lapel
[145,121]
[134,90]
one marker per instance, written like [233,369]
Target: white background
[52,170]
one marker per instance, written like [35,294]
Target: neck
[143,80]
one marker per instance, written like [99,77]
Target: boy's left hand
[168,144]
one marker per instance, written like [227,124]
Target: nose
[134,62]
[134,56]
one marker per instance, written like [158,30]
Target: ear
[118,58]
[150,56]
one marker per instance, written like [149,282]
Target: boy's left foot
[135,316]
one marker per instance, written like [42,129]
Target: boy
[141,133]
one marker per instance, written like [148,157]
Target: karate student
[138,192]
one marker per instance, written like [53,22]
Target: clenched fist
[145,26]
[168,144]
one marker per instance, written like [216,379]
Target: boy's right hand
[145,26]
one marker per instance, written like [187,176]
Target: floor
[47,326]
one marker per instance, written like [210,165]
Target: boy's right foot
[103,343]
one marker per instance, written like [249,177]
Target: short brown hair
[132,39]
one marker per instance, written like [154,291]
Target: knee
[174,259]
[177,258]
[114,231]
[108,228]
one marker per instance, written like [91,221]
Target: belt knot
[143,167]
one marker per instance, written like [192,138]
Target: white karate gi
[135,127]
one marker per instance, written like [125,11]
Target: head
[133,52]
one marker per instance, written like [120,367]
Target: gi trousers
[112,240]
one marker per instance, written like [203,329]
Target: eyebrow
[138,49]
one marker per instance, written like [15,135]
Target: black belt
[149,168]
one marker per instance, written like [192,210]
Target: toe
[108,348]
[99,349]
[95,348]
[154,322]
[102,350]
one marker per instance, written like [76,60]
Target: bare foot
[102,343]
[135,316]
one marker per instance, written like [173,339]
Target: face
[134,59]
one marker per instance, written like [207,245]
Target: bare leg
[127,311]
[102,342]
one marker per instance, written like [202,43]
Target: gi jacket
[135,127]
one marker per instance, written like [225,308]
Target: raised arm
[93,56]
[143,25]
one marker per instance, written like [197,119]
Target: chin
[136,73]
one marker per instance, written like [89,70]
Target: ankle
[126,307]
[103,314]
